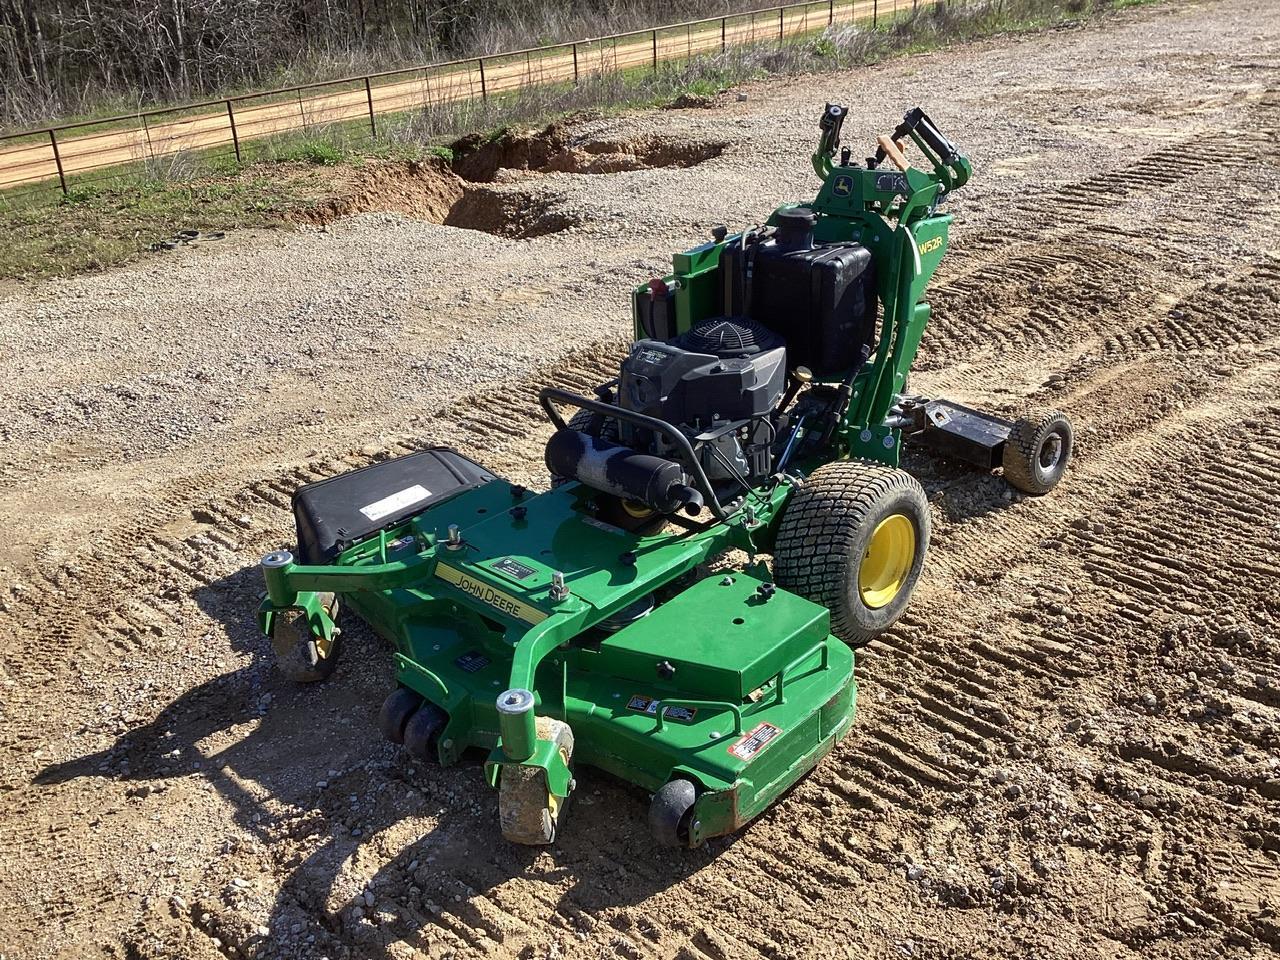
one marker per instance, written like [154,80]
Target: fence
[37,157]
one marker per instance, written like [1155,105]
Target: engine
[719,384]
[787,303]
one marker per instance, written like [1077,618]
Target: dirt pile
[426,190]
[557,149]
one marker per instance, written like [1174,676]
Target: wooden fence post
[57,159]
[368,92]
[235,137]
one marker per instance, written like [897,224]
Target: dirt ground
[1069,748]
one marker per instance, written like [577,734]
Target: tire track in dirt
[1178,462]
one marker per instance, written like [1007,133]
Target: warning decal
[755,741]
[396,502]
[642,704]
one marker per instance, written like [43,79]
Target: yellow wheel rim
[888,560]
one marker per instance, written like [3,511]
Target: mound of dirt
[430,191]
[555,150]
[426,190]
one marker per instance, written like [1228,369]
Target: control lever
[914,121]
[832,120]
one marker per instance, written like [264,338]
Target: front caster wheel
[300,655]
[528,812]
[671,813]
[397,710]
[1038,451]
[422,733]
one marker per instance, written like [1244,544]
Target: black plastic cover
[822,301]
[332,514]
[666,381]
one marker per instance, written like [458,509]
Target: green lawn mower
[760,412]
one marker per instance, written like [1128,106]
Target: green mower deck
[762,410]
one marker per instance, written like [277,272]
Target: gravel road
[1069,748]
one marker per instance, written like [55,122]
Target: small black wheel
[853,539]
[422,733]
[671,813]
[396,712]
[301,656]
[1038,451]
[528,812]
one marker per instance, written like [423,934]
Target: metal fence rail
[70,150]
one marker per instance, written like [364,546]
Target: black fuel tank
[820,299]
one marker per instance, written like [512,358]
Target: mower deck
[731,683]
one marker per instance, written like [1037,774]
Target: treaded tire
[824,535]
[396,712]
[297,654]
[1038,451]
[524,808]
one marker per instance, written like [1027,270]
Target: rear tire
[1038,451]
[854,539]
[527,811]
[298,651]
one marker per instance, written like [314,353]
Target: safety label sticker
[513,568]
[396,502]
[642,704]
[755,741]
[472,661]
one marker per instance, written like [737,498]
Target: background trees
[71,56]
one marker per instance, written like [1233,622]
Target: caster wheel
[396,712]
[671,813]
[422,732]
[302,657]
[528,812]
[1038,451]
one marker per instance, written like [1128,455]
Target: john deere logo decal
[497,599]
[843,186]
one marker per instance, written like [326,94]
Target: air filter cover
[727,337]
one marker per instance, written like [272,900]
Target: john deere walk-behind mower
[761,410]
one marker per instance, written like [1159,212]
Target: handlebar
[916,122]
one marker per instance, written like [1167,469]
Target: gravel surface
[1070,747]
